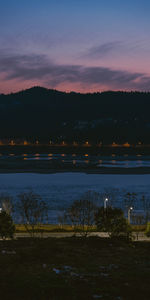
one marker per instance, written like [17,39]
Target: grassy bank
[20,228]
[74,268]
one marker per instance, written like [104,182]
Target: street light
[105,203]
[129,213]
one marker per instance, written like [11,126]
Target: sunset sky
[80,45]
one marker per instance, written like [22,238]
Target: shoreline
[101,170]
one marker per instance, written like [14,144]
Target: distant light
[87,161]
[126,144]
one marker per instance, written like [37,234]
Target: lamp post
[105,203]
[129,213]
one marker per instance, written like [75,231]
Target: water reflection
[87,161]
[113,160]
[127,164]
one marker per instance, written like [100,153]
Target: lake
[60,189]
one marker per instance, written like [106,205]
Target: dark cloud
[39,67]
[104,49]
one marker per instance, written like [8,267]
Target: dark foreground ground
[74,268]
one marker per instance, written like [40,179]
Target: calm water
[61,189]
[125,161]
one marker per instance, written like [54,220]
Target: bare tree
[130,199]
[62,219]
[33,211]
[146,207]
[81,213]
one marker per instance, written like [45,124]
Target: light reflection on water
[112,161]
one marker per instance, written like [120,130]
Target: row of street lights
[129,209]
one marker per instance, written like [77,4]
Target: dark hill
[43,113]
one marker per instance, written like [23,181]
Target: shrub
[6,203]
[112,220]
[7,228]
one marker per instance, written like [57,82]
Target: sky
[75,45]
